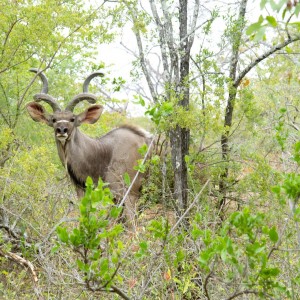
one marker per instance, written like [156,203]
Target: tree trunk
[176,68]
[225,146]
[234,82]
[236,42]
[180,137]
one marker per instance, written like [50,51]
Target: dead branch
[21,261]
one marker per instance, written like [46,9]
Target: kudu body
[108,157]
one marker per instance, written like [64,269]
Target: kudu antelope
[108,157]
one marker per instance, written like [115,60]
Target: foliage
[247,249]
[95,239]
[283,10]
[241,245]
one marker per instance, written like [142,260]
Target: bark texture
[175,57]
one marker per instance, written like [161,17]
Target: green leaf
[196,233]
[180,255]
[224,255]
[282,110]
[82,266]
[167,108]
[283,13]
[103,223]
[143,245]
[187,286]
[276,189]
[205,257]
[75,238]
[89,181]
[273,235]
[140,167]
[288,50]
[260,34]
[158,228]
[127,179]
[104,266]
[276,6]
[297,214]
[253,28]
[270,272]
[62,234]
[263,4]
[96,255]
[297,146]
[143,149]
[55,249]
[297,9]
[115,211]
[155,159]
[139,100]
[272,21]
[297,152]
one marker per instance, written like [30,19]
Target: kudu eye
[72,119]
[53,120]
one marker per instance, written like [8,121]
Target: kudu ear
[90,115]
[38,113]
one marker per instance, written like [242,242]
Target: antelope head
[64,121]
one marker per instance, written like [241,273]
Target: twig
[21,261]
[21,218]
[294,126]
[10,231]
[168,237]
[137,173]
[119,292]
[151,271]
[237,294]
[62,220]
[262,57]
[206,283]
[189,208]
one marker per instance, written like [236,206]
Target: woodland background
[218,216]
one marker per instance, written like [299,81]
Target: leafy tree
[56,35]
[175,38]
[237,86]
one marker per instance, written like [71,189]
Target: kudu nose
[61,130]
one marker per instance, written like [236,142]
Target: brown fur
[108,157]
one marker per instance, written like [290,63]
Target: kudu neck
[76,144]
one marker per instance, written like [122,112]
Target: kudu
[108,157]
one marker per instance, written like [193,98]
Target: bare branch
[18,63]
[171,42]
[8,34]
[21,261]
[162,36]
[137,173]
[262,57]
[119,292]
[237,41]
[189,208]
[246,292]
[194,23]
[207,279]
[143,65]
